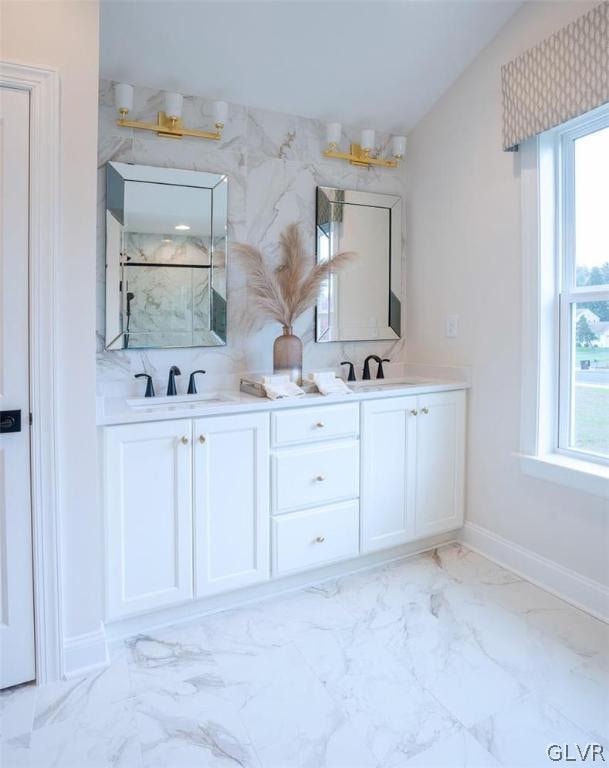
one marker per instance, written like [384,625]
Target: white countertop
[116,410]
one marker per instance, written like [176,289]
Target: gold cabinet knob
[320,539]
[425,410]
[414,412]
[184,440]
[320,478]
[320,424]
[201,439]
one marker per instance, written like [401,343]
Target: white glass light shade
[367,140]
[399,146]
[123,97]
[173,105]
[333,133]
[220,112]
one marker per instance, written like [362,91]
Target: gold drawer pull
[414,412]
[320,539]
[320,478]
[425,410]
[184,440]
[320,424]
[201,439]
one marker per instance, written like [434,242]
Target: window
[565,326]
[582,191]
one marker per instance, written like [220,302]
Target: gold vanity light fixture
[169,123]
[362,154]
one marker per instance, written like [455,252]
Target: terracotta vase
[287,355]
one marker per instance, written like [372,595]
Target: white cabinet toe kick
[196,507]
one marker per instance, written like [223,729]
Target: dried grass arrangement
[283,292]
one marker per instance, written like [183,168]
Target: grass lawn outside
[598,355]
[592,419]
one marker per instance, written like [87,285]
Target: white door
[388,437]
[231,502]
[440,462]
[148,513]
[17,662]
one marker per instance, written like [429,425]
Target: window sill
[574,473]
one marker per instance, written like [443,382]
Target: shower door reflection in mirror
[361,301]
[165,257]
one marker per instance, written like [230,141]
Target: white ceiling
[375,63]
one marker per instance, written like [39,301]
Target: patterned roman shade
[563,77]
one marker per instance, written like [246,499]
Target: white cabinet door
[388,434]
[440,458]
[148,502]
[231,502]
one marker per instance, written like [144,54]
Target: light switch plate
[452,326]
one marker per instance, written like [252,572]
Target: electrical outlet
[452,326]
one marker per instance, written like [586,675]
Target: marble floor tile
[291,718]
[519,735]
[582,695]
[17,711]
[459,750]
[443,660]
[108,740]
[83,698]
[189,724]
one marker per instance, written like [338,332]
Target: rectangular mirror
[361,301]
[165,257]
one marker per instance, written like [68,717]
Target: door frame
[44,247]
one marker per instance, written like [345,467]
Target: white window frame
[546,165]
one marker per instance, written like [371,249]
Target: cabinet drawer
[320,474]
[305,539]
[323,422]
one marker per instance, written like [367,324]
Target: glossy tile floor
[444,660]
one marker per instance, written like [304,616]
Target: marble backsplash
[274,163]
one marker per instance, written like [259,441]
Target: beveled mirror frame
[117,174]
[393,204]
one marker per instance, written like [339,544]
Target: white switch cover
[452,326]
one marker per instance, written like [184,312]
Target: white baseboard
[580,591]
[85,653]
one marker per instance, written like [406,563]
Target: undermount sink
[180,400]
[377,385]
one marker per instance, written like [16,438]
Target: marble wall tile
[274,163]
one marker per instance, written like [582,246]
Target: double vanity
[212,493]
[210,499]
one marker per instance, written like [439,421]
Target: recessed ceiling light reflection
[182,227]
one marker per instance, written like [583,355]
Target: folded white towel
[328,383]
[280,386]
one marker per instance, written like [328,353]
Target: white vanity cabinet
[412,467]
[186,509]
[148,515]
[231,492]
[209,504]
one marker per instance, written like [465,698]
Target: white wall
[64,36]
[464,258]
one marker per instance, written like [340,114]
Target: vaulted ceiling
[373,63]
